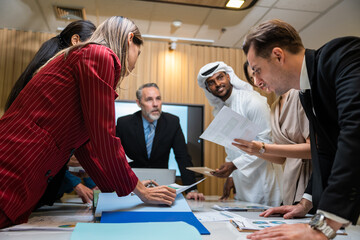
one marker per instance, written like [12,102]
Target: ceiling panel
[17,14]
[162,18]
[127,8]
[49,15]
[156,18]
[234,36]
[265,3]
[218,19]
[306,5]
[296,18]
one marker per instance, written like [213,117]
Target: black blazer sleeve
[335,86]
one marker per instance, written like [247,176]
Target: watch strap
[262,149]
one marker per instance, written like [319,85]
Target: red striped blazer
[68,105]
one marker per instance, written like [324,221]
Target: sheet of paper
[248,224]
[108,202]
[245,208]
[203,170]
[180,188]
[228,125]
[259,224]
[129,160]
[135,231]
[51,223]
[213,216]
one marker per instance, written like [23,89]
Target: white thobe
[256,180]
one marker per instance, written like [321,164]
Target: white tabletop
[62,212]
[224,229]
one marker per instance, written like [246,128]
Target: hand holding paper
[224,170]
[228,125]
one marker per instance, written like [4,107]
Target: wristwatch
[262,149]
[318,222]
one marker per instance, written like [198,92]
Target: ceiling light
[235,3]
[172,45]
[179,39]
[177,23]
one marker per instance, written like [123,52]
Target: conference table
[71,209]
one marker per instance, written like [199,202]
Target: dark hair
[47,50]
[113,33]
[146,85]
[247,76]
[270,34]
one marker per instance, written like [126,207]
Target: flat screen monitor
[191,121]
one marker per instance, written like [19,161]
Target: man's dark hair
[270,34]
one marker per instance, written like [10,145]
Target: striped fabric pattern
[68,105]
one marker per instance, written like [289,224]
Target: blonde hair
[112,33]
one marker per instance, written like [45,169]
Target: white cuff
[334,217]
[307,197]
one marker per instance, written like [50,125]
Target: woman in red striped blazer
[69,106]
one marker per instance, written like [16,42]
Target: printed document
[228,125]
[180,188]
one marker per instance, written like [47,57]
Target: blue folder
[132,217]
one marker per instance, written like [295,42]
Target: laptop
[160,175]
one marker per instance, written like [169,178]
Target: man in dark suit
[329,79]
[148,135]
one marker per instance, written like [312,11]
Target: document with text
[228,125]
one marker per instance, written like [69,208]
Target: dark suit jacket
[168,134]
[334,74]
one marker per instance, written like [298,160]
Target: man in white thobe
[253,179]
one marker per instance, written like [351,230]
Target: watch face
[316,220]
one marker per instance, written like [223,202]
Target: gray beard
[154,117]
